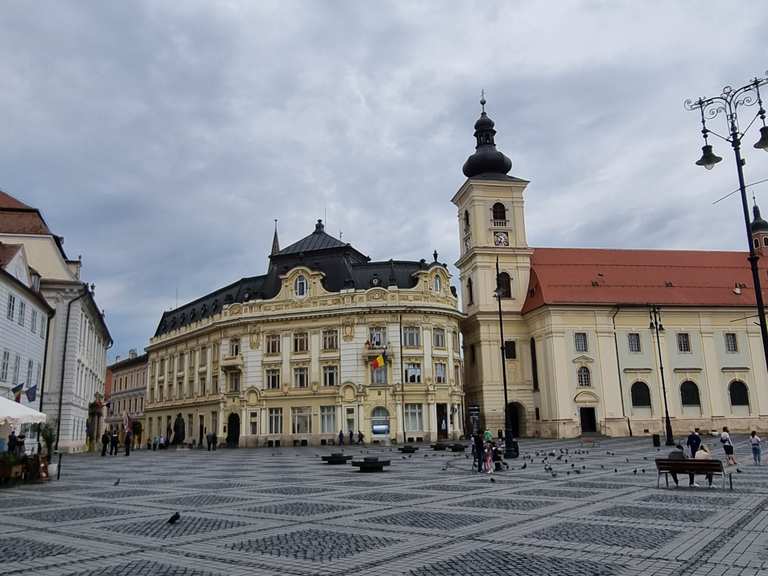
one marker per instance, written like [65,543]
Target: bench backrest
[689,465]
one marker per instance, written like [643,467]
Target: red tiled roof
[638,277]
[7,252]
[8,201]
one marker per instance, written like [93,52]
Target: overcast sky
[161,139]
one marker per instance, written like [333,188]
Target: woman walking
[725,440]
[754,440]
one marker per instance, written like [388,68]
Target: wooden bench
[691,466]
[407,449]
[439,446]
[336,458]
[370,464]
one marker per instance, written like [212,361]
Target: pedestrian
[487,436]
[104,442]
[679,454]
[488,458]
[479,451]
[155,442]
[341,437]
[113,443]
[703,454]
[693,442]
[209,440]
[128,439]
[360,437]
[12,442]
[215,440]
[754,440]
[725,440]
[351,438]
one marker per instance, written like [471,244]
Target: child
[754,440]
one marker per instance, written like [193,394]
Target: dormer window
[437,284]
[300,286]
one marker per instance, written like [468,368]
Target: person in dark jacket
[113,443]
[693,442]
[104,443]
[479,451]
[679,454]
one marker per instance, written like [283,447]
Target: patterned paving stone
[16,549]
[385,496]
[73,514]
[314,545]
[499,563]
[294,490]
[505,504]
[555,493]
[186,526]
[631,537]
[122,493]
[12,502]
[300,508]
[597,485]
[693,500]
[450,487]
[199,500]
[141,568]
[427,519]
[648,513]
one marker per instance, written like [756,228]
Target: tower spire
[275,242]
[486,159]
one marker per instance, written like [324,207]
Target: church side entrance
[588,420]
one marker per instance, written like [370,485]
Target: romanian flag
[17,392]
[378,362]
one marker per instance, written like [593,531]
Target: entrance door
[588,420]
[442,421]
[349,414]
[233,430]
[201,430]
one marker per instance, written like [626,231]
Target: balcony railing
[499,223]
[232,362]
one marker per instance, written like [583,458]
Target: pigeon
[572,465]
[602,466]
[524,466]
[493,479]
[117,482]
[403,457]
[634,471]
[738,470]
[645,457]
[443,468]
[554,474]
[577,471]
[559,457]
[615,469]
[568,473]
[627,459]
[175,518]
[643,470]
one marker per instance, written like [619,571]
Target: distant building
[325,341]
[128,390]
[73,386]
[579,354]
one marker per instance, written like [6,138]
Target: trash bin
[656,440]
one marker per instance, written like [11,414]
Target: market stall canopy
[12,414]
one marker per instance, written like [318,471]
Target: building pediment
[583,359]
[586,397]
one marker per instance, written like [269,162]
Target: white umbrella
[12,414]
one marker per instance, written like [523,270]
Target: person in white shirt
[703,454]
[725,440]
[754,440]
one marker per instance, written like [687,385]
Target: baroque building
[72,386]
[326,341]
[580,356]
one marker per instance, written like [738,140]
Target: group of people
[16,444]
[360,437]
[111,441]
[697,450]
[488,453]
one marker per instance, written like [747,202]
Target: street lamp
[656,325]
[510,446]
[728,103]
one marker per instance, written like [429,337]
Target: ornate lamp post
[510,446]
[657,326]
[728,103]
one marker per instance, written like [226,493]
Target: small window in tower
[765,240]
[504,288]
[499,214]
[756,242]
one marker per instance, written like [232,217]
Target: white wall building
[79,338]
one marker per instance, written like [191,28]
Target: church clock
[501,239]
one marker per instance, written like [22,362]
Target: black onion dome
[486,159]
[758,224]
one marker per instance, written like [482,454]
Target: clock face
[501,239]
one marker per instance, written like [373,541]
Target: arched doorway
[233,430]
[516,418]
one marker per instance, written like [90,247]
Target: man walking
[104,442]
[113,443]
[128,440]
[693,442]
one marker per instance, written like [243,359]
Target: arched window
[380,420]
[765,240]
[584,376]
[689,394]
[641,395]
[739,393]
[756,242]
[470,294]
[300,286]
[499,214]
[437,285]
[504,287]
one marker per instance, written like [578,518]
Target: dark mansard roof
[343,267]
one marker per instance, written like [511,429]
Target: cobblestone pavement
[257,512]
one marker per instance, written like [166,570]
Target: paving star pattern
[282,511]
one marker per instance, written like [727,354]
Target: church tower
[492,229]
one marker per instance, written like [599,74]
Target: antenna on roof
[341,234]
